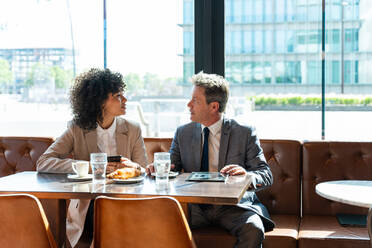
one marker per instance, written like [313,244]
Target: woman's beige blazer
[79,144]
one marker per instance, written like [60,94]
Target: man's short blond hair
[216,88]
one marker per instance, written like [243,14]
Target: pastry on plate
[124,173]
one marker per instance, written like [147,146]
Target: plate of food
[172,174]
[126,175]
[129,180]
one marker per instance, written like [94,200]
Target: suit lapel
[91,139]
[196,147]
[121,134]
[224,143]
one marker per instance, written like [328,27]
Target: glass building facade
[278,42]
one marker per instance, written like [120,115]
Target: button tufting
[284,176]
[27,151]
[361,154]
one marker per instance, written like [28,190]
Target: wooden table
[352,192]
[57,186]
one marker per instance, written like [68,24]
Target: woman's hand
[126,162]
[112,166]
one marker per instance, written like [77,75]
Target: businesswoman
[97,101]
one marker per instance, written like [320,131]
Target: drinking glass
[99,163]
[162,165]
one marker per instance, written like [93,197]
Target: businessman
[214,143]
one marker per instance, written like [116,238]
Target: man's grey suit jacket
[239,145]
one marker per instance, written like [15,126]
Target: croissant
[124,173]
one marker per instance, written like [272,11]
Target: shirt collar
[215,127]
[111,130]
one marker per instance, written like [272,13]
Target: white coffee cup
[81,168]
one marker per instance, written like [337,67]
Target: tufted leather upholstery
[156,145]
[321,161]
[325,161]
[21,153]
[282,199]
[284,159]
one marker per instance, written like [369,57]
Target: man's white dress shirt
[213,144]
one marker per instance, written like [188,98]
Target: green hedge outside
[298,100]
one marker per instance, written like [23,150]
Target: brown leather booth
[303,219]
[156,145]
[20,154]
[326,161]
[282,199]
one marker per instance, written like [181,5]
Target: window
[272,56]
[268,41]
[258,41]
[279,14]
[150,43]
[258,11]
[280,45]
[39,58]
[268,10]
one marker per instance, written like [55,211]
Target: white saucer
[76,178]
[129,180]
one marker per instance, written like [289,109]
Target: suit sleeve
[255,163]
[55,158]
[138,152]
[175,152]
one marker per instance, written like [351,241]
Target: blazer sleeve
[255,163]
[175,152]
[138,153]
[56,158]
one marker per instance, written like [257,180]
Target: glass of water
[162,165]
[99,163]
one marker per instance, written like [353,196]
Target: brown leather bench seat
[326,161]
[282,199]
[20,154]
[294,165]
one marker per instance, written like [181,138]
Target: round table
[352,192]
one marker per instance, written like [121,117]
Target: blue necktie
[204,161]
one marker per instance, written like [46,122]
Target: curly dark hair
[89,93]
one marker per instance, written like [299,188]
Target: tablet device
[206,177]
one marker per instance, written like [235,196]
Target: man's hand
[150,169]
[233,170]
